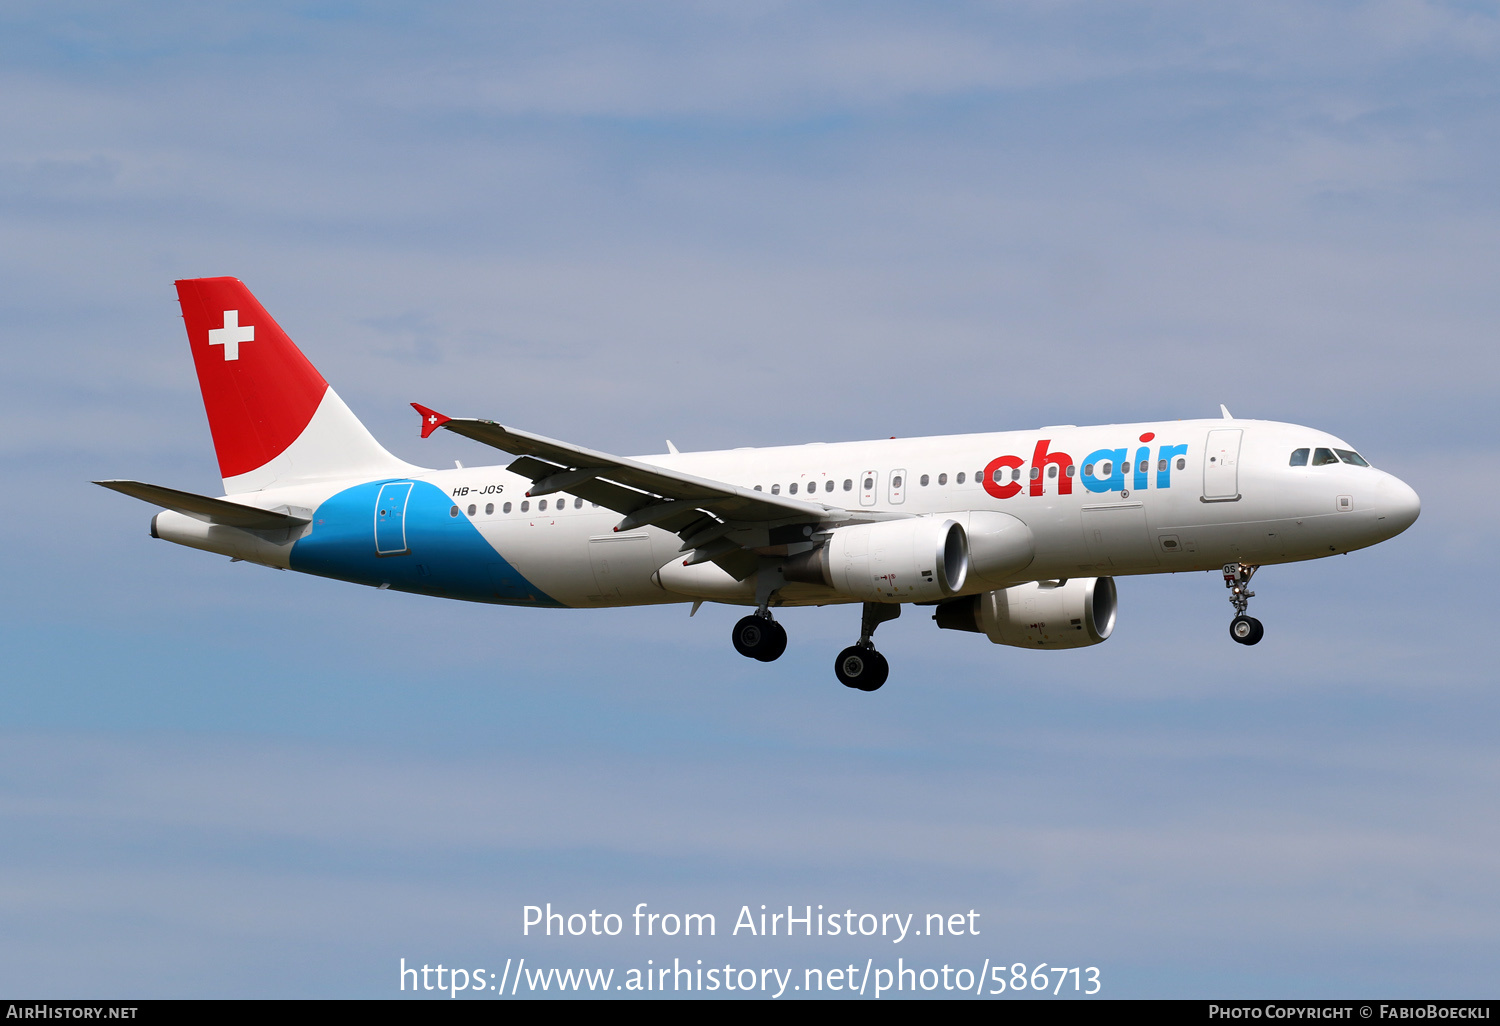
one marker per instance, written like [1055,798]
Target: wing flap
[201,507]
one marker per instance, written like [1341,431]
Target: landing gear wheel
[861,668]
[1246,630]
[759,637]
[775,644]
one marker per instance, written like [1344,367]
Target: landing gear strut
[1247,630]
[757,635]
[859,666]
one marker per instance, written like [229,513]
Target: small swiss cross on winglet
[431,419]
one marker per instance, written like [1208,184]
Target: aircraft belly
[581,561]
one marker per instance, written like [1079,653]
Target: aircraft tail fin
[274,420]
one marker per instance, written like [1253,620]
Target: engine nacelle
[921,559]
[1000,547]
[1040,614]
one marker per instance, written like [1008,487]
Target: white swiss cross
[231,335]
[432,418]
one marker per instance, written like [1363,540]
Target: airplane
[1016,535]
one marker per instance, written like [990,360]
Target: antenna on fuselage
[1225,410]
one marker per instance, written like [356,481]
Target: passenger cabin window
[489,508]
[942,479]
[1353,458]
[505,508]
[1299,457]
[960,478]
[791,489]
[923,480]
[828,485]
[525,507]
[776,489]
[1181,463]
[1323,457]
[848,484]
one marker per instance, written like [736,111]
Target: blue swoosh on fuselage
[446,555]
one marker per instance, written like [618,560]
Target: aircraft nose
[1399,505]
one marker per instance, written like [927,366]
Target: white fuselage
[1194,495]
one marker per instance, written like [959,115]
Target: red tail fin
[272,415]
[258,388]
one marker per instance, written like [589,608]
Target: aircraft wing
[201,507]
[717,521]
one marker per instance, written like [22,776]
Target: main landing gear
[1247,630]
[760,637]
[757,636]
[859,666]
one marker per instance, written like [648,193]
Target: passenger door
[1221,465]
[390,519]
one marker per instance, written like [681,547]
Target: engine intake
[1039,614]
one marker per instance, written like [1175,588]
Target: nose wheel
[760,637]
[1245,629]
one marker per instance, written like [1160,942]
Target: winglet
[431,419]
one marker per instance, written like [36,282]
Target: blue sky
[760,225]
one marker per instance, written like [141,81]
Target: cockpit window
[1351,457]
[1299,457]
[1323,457]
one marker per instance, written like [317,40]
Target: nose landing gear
[859,666]
[1246,630]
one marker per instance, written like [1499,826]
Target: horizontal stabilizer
[201,507]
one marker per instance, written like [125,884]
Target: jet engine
[1039,614]
[1000,547]
[921,559]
